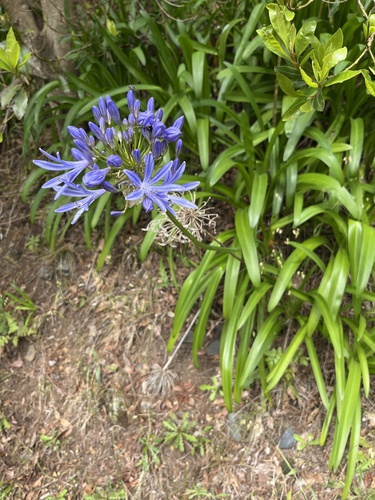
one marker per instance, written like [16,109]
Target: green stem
[201,245]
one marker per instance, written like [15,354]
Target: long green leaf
[262,342]
[254,299]
[315,365]
[353,448]
[346,416]
[331,323]
[228,344]
[278,370]
[247,240]
[258,195]
[290,267]
[361,243]
[230,283]
[200,330]
[116,228]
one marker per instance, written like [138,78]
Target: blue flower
[75,190]
[96,177]
[133,103]
[147,118]
[151,192]
[57,164]
[113,110]
[172,134]
[114,161]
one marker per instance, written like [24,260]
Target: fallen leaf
[17,364]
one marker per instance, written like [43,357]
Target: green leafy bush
[14,94]
[303,238]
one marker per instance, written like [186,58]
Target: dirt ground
[87,411]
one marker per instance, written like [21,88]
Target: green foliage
[304,211]
[14,95]
[182,433]
[50,441]
[150,452]
[214,389]
[5,490]
[107,494]
[17,316]
[198,491]
[304,442]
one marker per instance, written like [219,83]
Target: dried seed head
[198,222]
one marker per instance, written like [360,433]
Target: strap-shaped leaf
[310,155]
[262,342]
[246,332]
[203,136]
[282,364]
[361,244]
[345,417]
[247,240]
[332,287]
[213,281]
[321,182]
[193,287]
[223,163]
[258,196]
[254,299]
[331,323]
[362,358]
[328,418]
[353,448]
[228,344]
[356,142]
[117,226]
[230,283]
[315,365]
[290,267]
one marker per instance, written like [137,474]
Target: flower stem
[181,341]
[201,245]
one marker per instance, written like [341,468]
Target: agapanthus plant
[124,156]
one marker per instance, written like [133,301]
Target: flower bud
[114,161]
[95,177]
[179,145]
[137,156]
[113,111]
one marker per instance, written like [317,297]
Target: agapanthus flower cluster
[123,156]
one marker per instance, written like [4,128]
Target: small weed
[5,491]
[164,278]
[17,316]
[33,243]
[197,491]
[214,388]
[309,441]
[181,433]
[150,452]
[4,426]
[60,496]
[366,457]
[50,441]
[107,495]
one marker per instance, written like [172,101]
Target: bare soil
[82,396]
